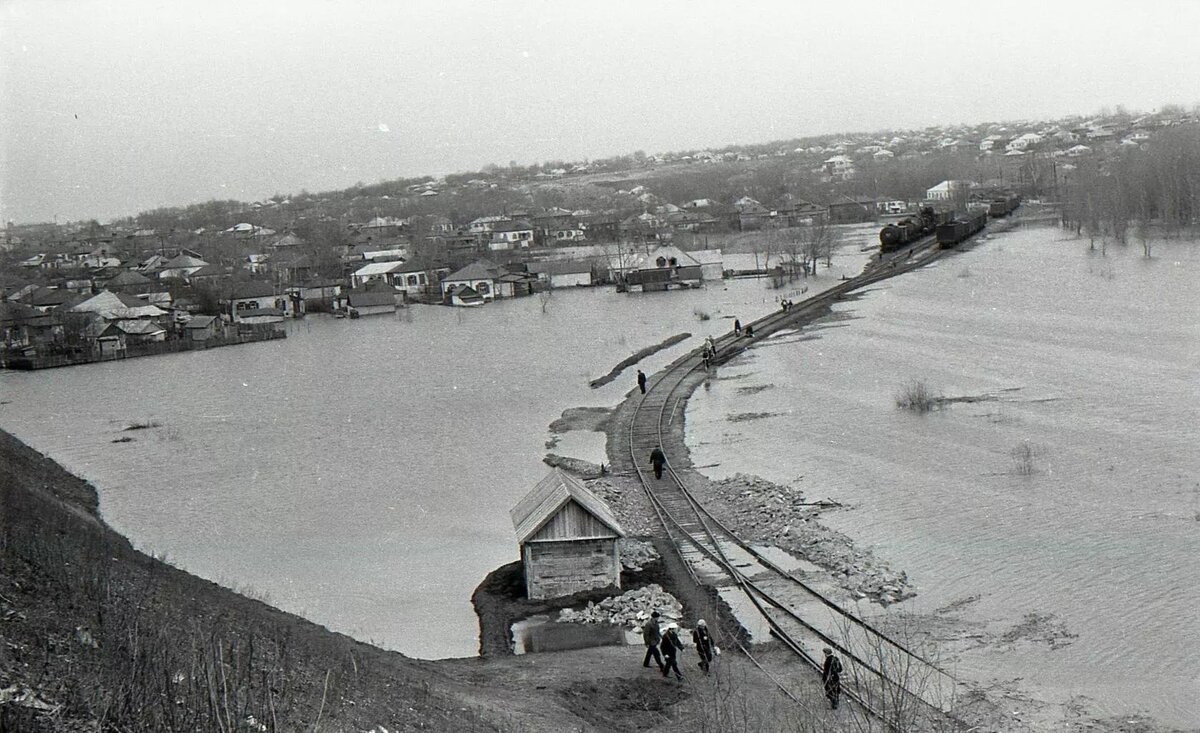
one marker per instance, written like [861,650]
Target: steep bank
[99,635]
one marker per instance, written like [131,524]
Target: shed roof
[549,496]
[200,322]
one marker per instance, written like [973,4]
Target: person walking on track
[671,646]
[658,459]
[642,381]
[651,637]
[737,327]
[704,644]
[831,676]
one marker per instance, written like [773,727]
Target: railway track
[891,682]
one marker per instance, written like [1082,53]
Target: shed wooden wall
[554,569]
[571,522]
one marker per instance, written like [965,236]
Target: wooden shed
[568,538]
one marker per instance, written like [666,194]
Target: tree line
[1141,190]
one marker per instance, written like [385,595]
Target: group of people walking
[663,645]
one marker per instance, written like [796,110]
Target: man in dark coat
[831,676]
[737,327]
[642,381]
[658,459]
[704,644]
[651,637]
[671,645]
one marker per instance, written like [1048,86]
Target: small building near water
[568,538]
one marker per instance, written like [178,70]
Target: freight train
[1003,205]
[911,228]
[956,230]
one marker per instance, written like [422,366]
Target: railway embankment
[758,510]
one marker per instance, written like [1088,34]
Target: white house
[511,235]
[257,302]
[415,280]
[485,224]
[948,190]
[838,167]
[480,276]
[384,272]
[1025,142]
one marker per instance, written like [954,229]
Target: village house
[516,234]
[179,267]
[415,281]
[663,268]
[567,538]
[116,338]
[382,272]
[204,328]
[948,191]
[838,168]
[485,224]
[563,273]
[751,214]
[254,302]
[130,282]
[374,300]
[851,209]
[481,276]
[116,306]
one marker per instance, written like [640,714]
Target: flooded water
[359,473]
[1069,490]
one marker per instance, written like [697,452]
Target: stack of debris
[636,554]
[629,609]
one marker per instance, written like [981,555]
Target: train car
[960,228]
[1003,205]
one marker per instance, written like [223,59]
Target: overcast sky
[110,108]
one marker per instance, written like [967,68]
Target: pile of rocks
[629,609]
[636,554]
[629,504]
[766,512]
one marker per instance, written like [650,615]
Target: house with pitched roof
[517,234]
[481,276]
[568,538]
[180,266]
[257,302]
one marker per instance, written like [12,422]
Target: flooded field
[1053,501]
